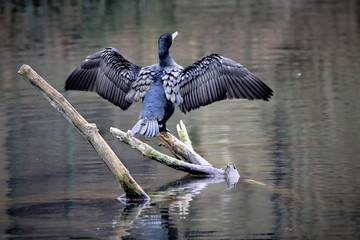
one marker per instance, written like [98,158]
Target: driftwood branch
[163,158]
[183,135]
[181,150]
[193,164]
[132,190]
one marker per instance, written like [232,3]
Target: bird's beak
[174,35]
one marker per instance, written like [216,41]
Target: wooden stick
[180,150]
[196,169]
[132,190]
[183,135]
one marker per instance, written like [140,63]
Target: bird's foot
[164,129]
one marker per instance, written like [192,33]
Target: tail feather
[146,127]
[137,127]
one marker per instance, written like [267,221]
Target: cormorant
[166,84]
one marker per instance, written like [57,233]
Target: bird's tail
[146,127]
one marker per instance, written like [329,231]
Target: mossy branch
[183,135]
[145,149]
[193,165]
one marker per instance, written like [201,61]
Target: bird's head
[165,42]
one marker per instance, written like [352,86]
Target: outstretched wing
[214,78]
[108,73]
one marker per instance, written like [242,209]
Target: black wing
[214,78]
[108,73]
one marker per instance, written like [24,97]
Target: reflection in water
[304,142]
[106,217]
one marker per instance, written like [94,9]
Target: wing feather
[108,73]
[139,87]
[214,78]
[170,79]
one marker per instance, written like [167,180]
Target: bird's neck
[165,58]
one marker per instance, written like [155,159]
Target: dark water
[303,144]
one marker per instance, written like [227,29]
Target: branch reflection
[167,201]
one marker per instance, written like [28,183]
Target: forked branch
[190,161]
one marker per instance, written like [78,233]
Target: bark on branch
[147,150]
[194,163]
[132,190]
[180,150]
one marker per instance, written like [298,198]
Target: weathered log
[132,190]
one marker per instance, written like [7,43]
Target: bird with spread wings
[164,85]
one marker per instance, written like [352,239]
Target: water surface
[303,144]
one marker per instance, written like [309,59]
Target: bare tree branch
[196,169]
[132,190]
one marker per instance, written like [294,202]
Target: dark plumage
[164,85]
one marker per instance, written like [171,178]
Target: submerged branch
[132,190]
